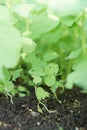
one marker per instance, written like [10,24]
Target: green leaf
[41,23]
[41,93]
[10,46]
[36,71]
[74,54]
[78,76]
[50,56]
[10,41]
[35,61]
[50,80]
[56,86]
[21,88]
[36,79]
[2,89]
[51,69]
[52,36]
[5,17]
[6,73]
[28,45]
[21,91]
[9,86]
[67,7]
[16,74]
[69,20]
[22,94]
[23,9]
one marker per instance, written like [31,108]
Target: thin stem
[11,98]
[69,67]
[47,108]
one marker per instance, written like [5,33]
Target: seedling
[41,94]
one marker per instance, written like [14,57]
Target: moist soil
[70,112]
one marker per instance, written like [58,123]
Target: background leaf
[28,45]
[16,74]
[5,16]
[67,7]
[78,76]
[42,22]
[10,46]
[50,56]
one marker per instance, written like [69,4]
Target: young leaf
[21,89]
[56,86]
[36,71]
[51,69]
[36,79]
[50,80]
[41,93]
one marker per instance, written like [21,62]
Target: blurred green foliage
[43,43]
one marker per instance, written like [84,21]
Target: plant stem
[47,108]
[11,98]
[69,67]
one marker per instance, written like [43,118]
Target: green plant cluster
[42,47]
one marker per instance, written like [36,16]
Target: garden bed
[71,112]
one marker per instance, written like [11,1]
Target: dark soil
[23,115]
